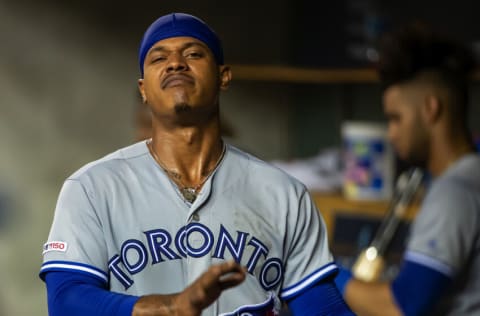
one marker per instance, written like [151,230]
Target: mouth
[176,80]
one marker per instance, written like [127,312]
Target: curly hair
[415,49]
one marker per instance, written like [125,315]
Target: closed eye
[155,59]
[194,54]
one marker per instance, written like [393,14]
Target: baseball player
[183,223]
[426,80]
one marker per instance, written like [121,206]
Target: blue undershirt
[78,294]
[418,288]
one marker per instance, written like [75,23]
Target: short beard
[182,108]
[419,150]
[418,159]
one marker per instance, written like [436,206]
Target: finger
[233,275]
[211,283]
[223,275]
[230,266]
[232,281]
[237,274]
[224,269]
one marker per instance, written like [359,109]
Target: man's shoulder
[261,170]
[462,177]
[455,192]
[112,161]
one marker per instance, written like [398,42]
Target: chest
[155,238]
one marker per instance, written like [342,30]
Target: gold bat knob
[369,265]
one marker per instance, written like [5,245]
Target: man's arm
[415,291]
[76,294]
[370,299]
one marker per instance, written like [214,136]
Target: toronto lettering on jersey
[162,246]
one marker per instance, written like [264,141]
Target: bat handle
[369,265]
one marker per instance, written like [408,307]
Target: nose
[176,62]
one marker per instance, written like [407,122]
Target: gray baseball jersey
[445,235]
[122,220]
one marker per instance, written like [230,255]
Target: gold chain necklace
[189,193]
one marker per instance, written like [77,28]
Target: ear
[432,108]
[225,77]
[142,90]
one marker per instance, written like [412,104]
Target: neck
[446,151]
[189,154]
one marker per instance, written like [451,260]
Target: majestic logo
[55,246]
[160,246]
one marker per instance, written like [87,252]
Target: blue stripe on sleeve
[69,266]
[424,260]
[417,288]
[77,294]
[324,272]
[321,299]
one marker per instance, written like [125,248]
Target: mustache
[178,76]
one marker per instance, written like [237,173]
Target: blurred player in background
[426,78]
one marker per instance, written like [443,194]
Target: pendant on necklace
[190,194]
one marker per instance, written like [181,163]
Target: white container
[368,161]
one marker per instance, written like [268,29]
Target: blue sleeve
[77,294]
[418,288]
[343,277]
[321,299]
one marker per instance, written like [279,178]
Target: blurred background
[302,75]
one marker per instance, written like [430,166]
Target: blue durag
[179,24]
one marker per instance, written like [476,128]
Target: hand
[197,296]
[208,287]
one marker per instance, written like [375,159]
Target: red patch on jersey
[60,246]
